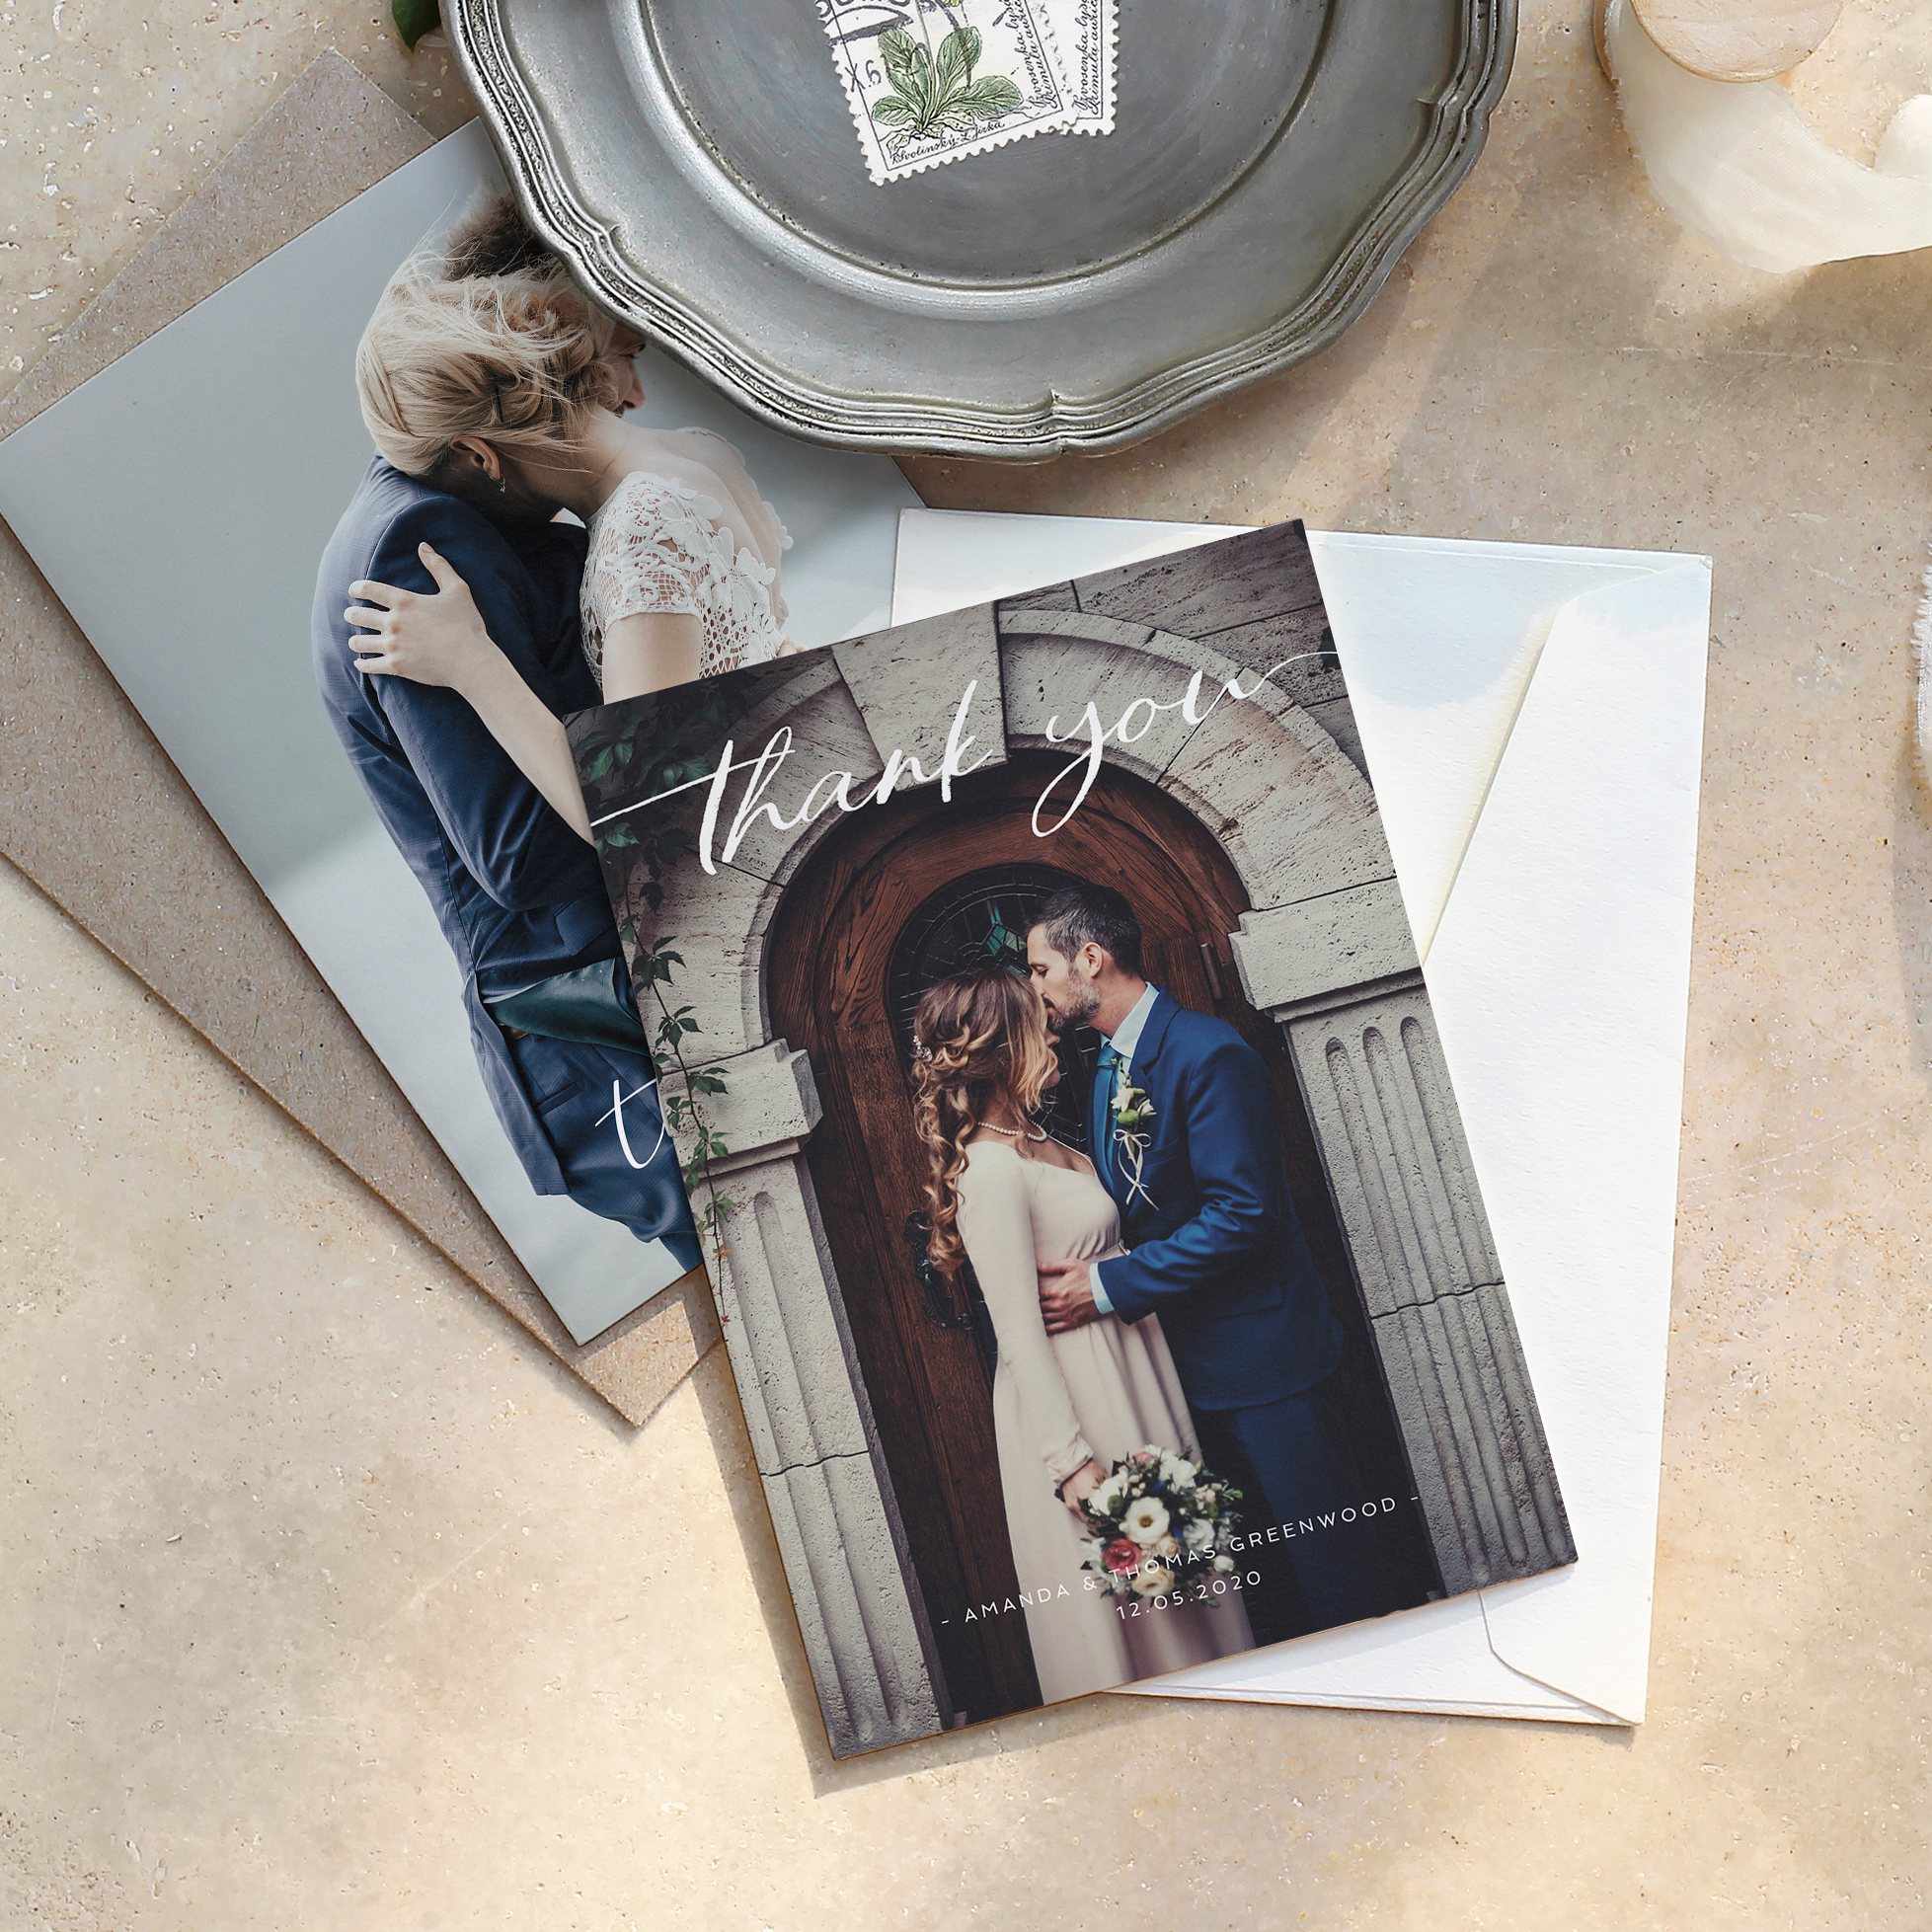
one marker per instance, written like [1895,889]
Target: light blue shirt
[1123,1040]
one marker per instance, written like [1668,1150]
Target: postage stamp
[932,81]
[1084,37]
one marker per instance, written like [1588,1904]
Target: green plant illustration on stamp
[935,92]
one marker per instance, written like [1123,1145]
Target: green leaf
[415,18]
[920,87]
[901,53]
[657,963]
[990,97]
[890,110]
[958,54]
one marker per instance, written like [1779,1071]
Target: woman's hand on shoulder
[427,636]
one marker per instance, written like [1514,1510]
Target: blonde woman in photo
[503,390]
[455,624]
[1007,1198]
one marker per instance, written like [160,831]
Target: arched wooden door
[899,896]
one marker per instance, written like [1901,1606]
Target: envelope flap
[1439,641]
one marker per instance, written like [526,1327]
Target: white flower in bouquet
[1145,1520]
[1167,1549]
[1177,1472]
[1224,1564]
[1154,1580]
[1199,1533]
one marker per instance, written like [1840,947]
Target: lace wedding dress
[659,546]
[1099,1391]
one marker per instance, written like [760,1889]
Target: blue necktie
[1103,1114]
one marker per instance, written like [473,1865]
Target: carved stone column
[1340,975]
[797,1374]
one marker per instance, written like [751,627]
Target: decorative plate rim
[1058,426]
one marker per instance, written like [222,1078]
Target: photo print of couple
[1042,1040]
[549,511]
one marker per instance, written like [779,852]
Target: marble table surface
[366,1614]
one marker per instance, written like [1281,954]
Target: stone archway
[1326,950]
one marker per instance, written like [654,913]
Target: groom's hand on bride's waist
[1066,1296]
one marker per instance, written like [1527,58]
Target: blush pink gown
[1102,1390]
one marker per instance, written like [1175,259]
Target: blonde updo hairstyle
[514,359]
[975,1036]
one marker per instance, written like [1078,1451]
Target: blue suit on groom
[1215,1251]
[516,892]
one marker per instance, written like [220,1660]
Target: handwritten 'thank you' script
[742,793]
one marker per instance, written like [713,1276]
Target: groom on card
[1183,1137]
[552,1017]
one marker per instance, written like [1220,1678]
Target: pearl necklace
[1027,1132]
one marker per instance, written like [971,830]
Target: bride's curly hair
[517,358]
[974,1037]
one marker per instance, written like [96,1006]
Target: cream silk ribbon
[1738,163]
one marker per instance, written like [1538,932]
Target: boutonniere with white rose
[1133,1111]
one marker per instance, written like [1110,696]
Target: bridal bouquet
[1156,1514]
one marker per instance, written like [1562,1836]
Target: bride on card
[1068,1409]
[509,391]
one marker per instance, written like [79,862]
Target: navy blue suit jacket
[516,890]
[1215,1250]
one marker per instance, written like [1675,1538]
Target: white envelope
[1532,720]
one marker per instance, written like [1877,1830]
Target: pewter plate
[695,161]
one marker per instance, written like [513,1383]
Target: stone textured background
[333,1601]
